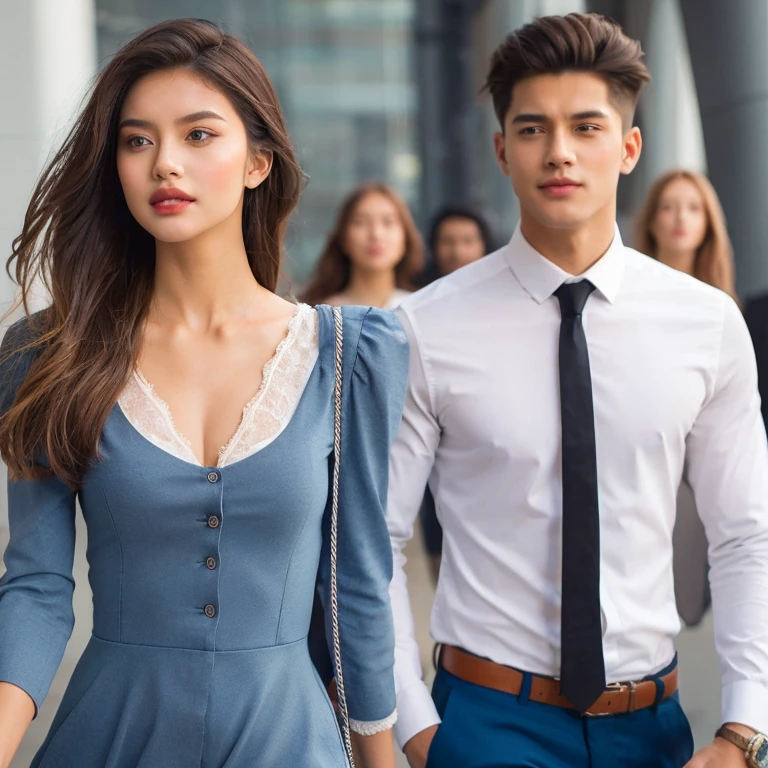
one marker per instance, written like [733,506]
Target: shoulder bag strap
[339,375]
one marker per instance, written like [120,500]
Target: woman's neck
[370,288]
[203,284]
[682,261]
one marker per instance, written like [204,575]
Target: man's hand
[417,747]
[719,754]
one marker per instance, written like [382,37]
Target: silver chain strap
[337,320]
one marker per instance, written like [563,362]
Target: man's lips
[559,183]
[559,187]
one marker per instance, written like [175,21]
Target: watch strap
[742,742]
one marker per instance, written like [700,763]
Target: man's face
[564,147]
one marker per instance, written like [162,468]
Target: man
[560,390]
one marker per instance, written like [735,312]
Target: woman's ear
[259,166]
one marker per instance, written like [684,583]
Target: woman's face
[680,224]
[458,242]
[374,238]
[183,157]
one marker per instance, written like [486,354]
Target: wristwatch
[755,749]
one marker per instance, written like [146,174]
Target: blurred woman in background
[682,225]
[373,254]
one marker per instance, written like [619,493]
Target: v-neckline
[266,376]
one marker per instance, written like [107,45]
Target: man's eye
[531,130]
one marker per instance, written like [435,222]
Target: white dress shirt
[675,394]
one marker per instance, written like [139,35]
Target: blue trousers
[483,728]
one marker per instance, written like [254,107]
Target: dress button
[210,563]
[213,477]
[210,610]
[213,521]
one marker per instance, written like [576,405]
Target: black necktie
[582,671]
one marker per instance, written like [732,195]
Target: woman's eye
[199,135]
[138,141]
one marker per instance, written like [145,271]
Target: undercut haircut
[578,42]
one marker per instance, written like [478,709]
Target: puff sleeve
[376,369]
[36,616]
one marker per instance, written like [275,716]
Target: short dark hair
[459,210]
[578,42]
[463,210]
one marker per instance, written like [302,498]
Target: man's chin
[561,219]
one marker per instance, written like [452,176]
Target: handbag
[337,391]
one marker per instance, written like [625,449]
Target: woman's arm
[16,712]
[375,369]
[369,751]
[36,615]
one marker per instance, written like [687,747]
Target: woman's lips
[170,200]
[172,205]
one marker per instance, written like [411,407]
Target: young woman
[191,412]
[373,253]
[682,225]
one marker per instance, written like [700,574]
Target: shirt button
[210,610]
[213,521]
[210,563]
[213,477]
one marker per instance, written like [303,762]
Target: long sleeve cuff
[746,702]
[416,711]
[372,727]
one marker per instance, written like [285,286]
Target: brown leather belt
[617,699]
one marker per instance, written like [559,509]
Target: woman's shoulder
[17,353]
[368,333]
[23,332]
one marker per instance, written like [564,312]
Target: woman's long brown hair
[80,239]
[334,267]
[714,259]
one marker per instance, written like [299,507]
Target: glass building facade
[342,69]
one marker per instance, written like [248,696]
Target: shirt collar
[541,278]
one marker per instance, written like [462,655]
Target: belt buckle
[618,688]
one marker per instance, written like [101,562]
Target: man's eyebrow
[532,117]
[589,114]
[529,117]
[205,114]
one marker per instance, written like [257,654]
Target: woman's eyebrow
[206,114]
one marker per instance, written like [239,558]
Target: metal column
[728,49]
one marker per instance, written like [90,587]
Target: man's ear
[259,166]
[500,151]
[633,146]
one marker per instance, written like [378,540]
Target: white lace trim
[374,726]
[264,416]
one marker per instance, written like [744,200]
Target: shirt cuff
[416,712]
[746,702]
[372,727]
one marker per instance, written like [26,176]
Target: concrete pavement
[699,669]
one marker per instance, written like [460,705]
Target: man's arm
[727,467]
[411,460]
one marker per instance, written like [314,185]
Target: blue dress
[203,580]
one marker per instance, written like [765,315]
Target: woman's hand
[16,712]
